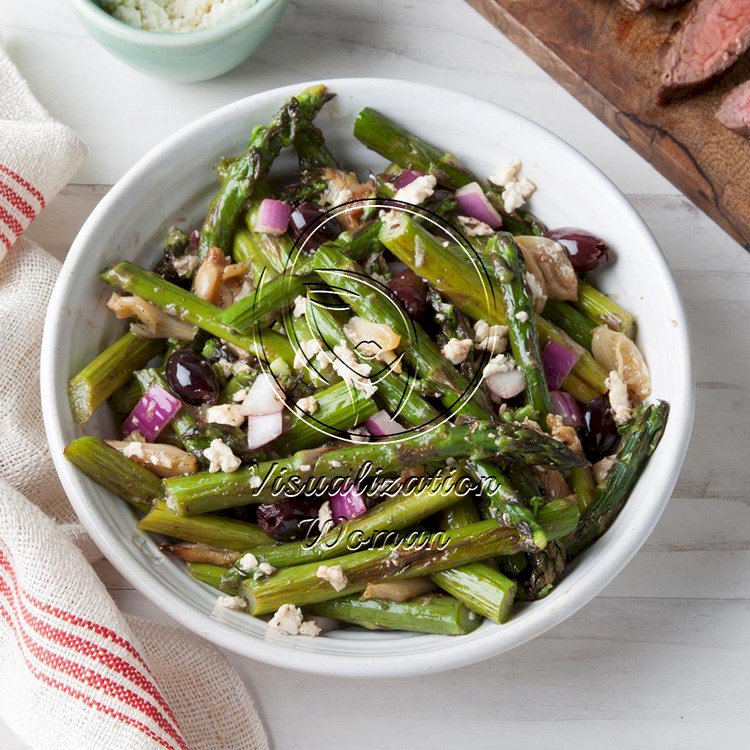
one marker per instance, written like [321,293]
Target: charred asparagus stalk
[642,437]
[113,471]
[96,382]
[301,585]
[266,142]
[519,309]
[433,613]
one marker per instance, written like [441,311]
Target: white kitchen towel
[76,673]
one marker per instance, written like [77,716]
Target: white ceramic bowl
[172,184]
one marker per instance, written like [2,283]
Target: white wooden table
[661,658]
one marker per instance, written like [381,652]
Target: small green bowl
[184,57]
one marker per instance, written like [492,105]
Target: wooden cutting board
[607,57]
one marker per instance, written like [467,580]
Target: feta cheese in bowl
[180,40]
[175,15]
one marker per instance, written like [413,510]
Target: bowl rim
[91,11]
[551,612]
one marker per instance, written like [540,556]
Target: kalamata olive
[289,520]
[192,377]
[599,434]
[586,252]
[411,292]
[306,214]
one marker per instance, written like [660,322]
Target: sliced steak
[639,5]
[734,111]
[714,34]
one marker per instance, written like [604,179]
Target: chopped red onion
[471,201]
[347,503]
[263,429]
[155,410]
[567,407]
[406,177]
[273,217]
[264,397]
[506,384]
[558,362]
[381,424]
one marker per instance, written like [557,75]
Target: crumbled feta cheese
[230,414]
[418,252]
[254,482]
[305,467]
[300,306]
[334,574]
[417,191]
[309,404]
[325,517]
[265,569]
[536,288]
[501,363]
[522,316]
[240,396]
[241,368]
[493,339]
[226,366]
[351,371]
[618,398]
[457,350]
[310,628]
[359,435]
[336,464]
[221,457]
[247,562]
[288,620]
[516,193]
[307,350]
[232,602]
[601,469]
[175,15]
[165,458]
[475,227]
[185,265]
[506,174]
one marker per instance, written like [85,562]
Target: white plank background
[662,657]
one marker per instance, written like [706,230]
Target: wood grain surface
[608,58]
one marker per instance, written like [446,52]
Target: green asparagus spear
[386,138]
[503,502]
[519,307]
[301,584]
[93,385]
[642,437]
[481,588]
[269,297]
[567,317]
[113,471]
[432,613]
[192,309]
[216,531]
[478,441]
[339,408]
[210,574]
[265,145]
[559,517]
[603,310]
[543,571]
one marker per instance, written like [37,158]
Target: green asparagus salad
[394,403]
